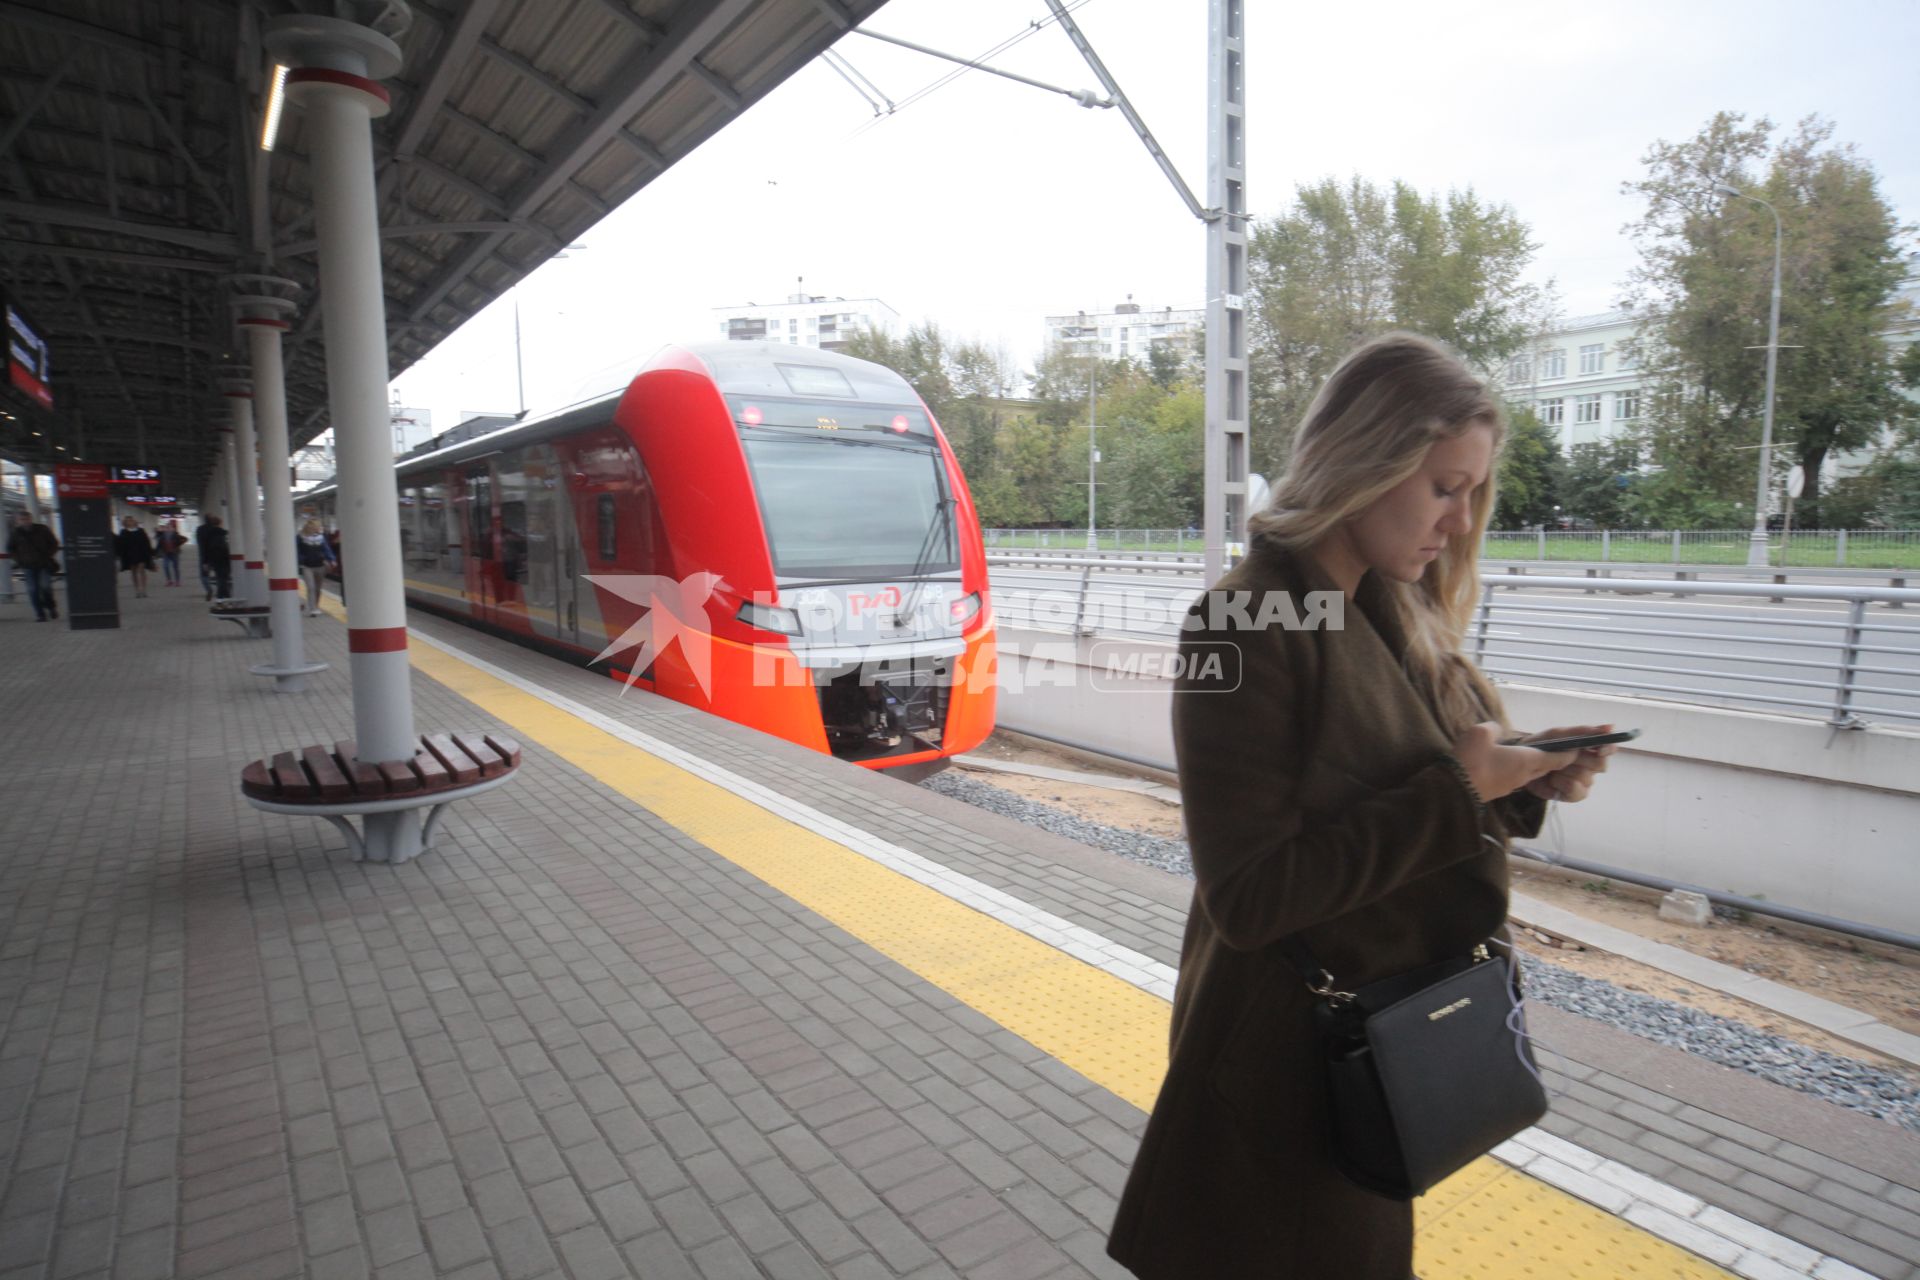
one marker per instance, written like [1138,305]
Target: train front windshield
[849,491]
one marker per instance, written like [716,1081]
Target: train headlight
[961,611]
[769,618]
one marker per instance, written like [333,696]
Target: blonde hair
[311,526]
[1366,432]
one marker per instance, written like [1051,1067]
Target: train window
[609,528]
[900,525]
[513,541]
[480,514]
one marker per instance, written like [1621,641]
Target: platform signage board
[86,534]
[28,358]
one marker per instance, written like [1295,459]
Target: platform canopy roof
[133,189]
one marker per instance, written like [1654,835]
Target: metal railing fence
[1152,541]
[1826,651]
[1804,548]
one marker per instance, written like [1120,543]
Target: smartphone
[1581,742]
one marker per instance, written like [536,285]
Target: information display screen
[28,362]
[133,475]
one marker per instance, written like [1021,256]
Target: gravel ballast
[1847,1082]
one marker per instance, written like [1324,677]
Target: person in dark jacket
[135,550]
[315,553]
[168,541]
[211,539]
[33,547]
[1347,784]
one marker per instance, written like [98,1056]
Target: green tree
[1596,481]
[920,356]
[1701,293]
[1063,377]
[1897,504]
[1151,460]
[1350,261]
[1168,364]
[1886,492]
[1039,475]
[1529,471]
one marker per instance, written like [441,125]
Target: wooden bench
[333,783]
[254,619]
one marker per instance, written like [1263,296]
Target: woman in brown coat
[1346,783]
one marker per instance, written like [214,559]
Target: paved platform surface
[576,1040]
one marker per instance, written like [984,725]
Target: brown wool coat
[1320,796]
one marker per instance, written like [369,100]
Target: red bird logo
[674,611]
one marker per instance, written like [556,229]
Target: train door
[569,559]
[482,571]
[541,560]
[510,539]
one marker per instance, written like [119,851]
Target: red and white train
[846,607]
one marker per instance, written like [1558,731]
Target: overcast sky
[987,205]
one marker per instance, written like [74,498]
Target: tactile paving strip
[1489,1222]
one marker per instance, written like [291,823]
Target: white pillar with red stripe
[253,575]
[262,318]
[230,499]
[336,66]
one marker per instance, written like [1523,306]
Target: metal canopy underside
[131,186]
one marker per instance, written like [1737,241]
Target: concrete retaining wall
[1768,806]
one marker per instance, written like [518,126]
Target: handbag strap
[1318,978]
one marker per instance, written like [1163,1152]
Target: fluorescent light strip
[276,99]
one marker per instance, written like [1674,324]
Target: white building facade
[807,320]
[1581,380]
[1128,332]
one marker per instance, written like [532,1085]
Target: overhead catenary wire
[851,74]
[862,77]
[1031,29]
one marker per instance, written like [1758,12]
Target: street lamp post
[1757,540]
[519,363]
[1093,453]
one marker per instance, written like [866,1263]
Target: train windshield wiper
[935,527]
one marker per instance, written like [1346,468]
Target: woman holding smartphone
[1347,787]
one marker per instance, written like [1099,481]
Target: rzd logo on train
[859,602]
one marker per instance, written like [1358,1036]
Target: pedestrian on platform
[1345,786]
[168,541]
[315,554]
[34,549]
[135,550]
[215,559]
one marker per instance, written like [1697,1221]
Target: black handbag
[1427,1070]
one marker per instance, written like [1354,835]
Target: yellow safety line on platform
[1488,1222]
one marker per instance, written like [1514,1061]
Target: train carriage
[778,535]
